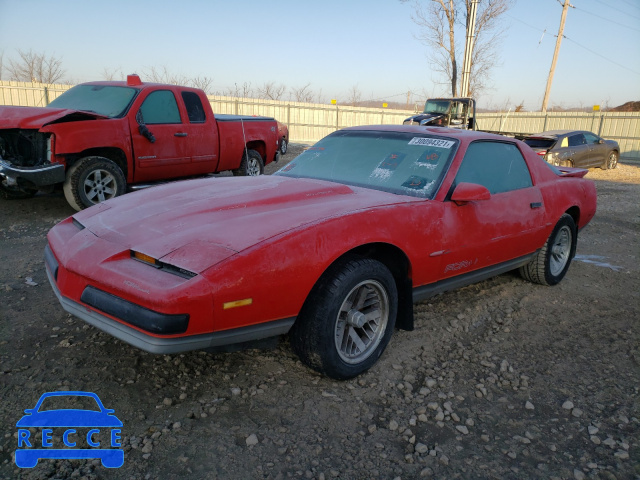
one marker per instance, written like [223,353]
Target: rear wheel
[251,165]
[92,180]
[550,264]
[611,162]
[283,145]
[348,319]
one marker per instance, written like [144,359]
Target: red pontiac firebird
[333,249]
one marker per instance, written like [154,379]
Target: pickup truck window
[105,100]
[160,107]
[194,107]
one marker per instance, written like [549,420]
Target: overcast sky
[332,44]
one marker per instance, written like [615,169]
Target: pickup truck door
[165,155]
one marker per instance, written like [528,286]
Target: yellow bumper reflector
[237,303]
[145,258]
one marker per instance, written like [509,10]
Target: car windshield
[432,106]
[539,142]
[397,162]
[102,99]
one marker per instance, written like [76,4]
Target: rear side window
[160,107]
[195,111]
[577,140]
[499,166]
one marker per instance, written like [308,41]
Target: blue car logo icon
[94,427]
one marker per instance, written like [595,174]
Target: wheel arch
[116,155]
[399,265]
[575,214]
[260,147]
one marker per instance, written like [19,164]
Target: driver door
[507,226]
[165,154]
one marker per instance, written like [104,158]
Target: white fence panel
[310,122]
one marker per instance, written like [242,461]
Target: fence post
[546,120]
[235,105]
[288,114]
[382,117]
[46,96]
[337,117]
[600,126]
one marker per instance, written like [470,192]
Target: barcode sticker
[431,142]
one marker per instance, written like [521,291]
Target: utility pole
[565,7]
[468,49]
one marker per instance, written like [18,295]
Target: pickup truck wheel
[92,180]
[14,193]
[283,146]
[551,263]
[251,165]
[348,318]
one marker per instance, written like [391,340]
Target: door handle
[536,205]
[180,134]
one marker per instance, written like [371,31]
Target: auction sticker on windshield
[71,425]
[431,142]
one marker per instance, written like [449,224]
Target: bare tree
[271,91]
[354,95]
[35,67]
[440,20]
[1,67]
[244,91]
[111,75]
[303,94]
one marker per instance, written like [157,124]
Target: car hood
[38,117]
[196,223]
[424,118]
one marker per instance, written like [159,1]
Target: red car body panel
[246,238]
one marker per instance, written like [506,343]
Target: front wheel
[92,180]
[348,318]
[251,165]
[550,264]
[283,145]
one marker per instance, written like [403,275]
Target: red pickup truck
[100,138]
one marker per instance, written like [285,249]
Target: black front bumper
[13,176]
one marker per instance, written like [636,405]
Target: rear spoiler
[572,172]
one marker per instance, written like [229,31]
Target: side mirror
[600,141]
[142,128]
[469,192]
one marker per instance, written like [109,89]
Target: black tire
[15,193]
[611,161]
[332,333]
[283,146]
[251,165]
[92,180]
[551,263]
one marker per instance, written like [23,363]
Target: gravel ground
[502,379]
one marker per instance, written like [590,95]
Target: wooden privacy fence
[310,122]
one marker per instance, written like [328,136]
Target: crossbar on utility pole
[545,101]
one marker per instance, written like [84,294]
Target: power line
[530,26]
[611,6]
[606,19]
[602,56]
